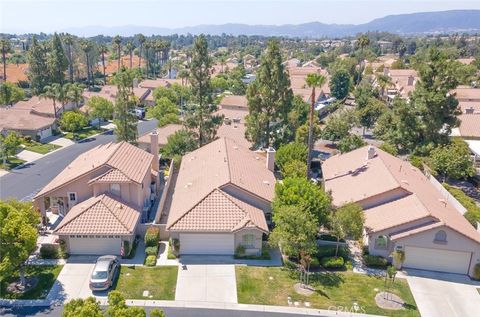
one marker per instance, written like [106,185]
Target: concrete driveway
[207,283]
[443,294]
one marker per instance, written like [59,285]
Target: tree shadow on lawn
[331,279]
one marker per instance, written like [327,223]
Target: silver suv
[104,273]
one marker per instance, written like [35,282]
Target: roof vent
[371,153]
[266,182]
[119,206]
[235,147]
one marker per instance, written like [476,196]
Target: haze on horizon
[25,16]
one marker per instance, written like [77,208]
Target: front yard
[339,290]
[12,162]
[83,133]
[46,274]
[42,148]
[159,281]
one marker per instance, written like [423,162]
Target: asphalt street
[25,182]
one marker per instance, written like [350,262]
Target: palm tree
[383,81]
[51,92]
[148,46]
[183,74]
[141,40]
[87,47]
[313,80]
[168,67]
[223,62]
[6,48]
[363,41]
[68,40]
[117,43]
[129,48]
[157,48]
[103,49]
[74,93]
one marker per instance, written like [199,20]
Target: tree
[290,152]
[100,108]
[51,92]
[6,48]
[18,237]
[340,84]
[179,144]
[384,82]
[157,313]
[130,47]
[369,114]
[199,117]
[74,93]
[118,308]
[73,121]
[68,41]
[304,194]
[452,160]
[269,99]
[313,80]
[141,40]
[164,111]
[57,62]
[347,222]
[10,93]
[37,66]
[88,307]
[362,42]
[301,134]
[295,230]
[294,168]
[339,125]
[117,43]
[9,145]
[124,109]
[350,143]
[103,49]
[87,47]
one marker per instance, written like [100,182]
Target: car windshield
[97,275]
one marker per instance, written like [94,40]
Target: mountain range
[452,21]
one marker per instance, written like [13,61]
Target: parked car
[140,113]
[104,273]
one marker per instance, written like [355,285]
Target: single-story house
[404,211]
[109,92]
[26,123]
[234,109]
[144,141]
[221,199]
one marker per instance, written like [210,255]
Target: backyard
[333,290]
[159,281]
[46,275]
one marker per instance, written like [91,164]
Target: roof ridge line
[82,211]
[390,172]
[228,160]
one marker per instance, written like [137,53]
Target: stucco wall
[257,247]
[248,198]
[383,198]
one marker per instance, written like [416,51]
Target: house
[234,109]
[403,82]
[144,142]
[221,199]
[299,86]
[102,196]
[159,82]
[403,211]
[109,92]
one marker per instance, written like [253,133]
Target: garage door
[221,244]
[437,260]
[96,246]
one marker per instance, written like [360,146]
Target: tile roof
[220,212]
[469,125]
[234,100]
[160,82]
[109,92]
[111,176]
[213,166]
[133,162]
[298,82]
[104,214]
[12,118]
[235,130]
[163,134]
[351,177]
[467,105]
[467,93]
[42,106]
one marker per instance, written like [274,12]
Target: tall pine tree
[57,61]
[124,110]
[199,117]
[269,100]
[37,66]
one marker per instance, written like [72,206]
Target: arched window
[441,236]
[381,242]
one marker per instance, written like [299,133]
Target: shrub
[332,262]
[49,251]
[171,255]
[126,249]
[315,264]
[417,161]
[157,313]
[473,211]
[151,250]
[240,250]
[151,260]
[476,271]
[375,261]
[289,264]
[152,237]
[329,251]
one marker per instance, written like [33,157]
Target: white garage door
[96,246]
[437,260]
[193,243]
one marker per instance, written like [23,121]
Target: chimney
[411,80]
[271,158]
[154,149]
[470,110]
[371,152]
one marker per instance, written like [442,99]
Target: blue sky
[48,16]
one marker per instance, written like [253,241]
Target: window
[115,189]
[381,242]
[248,240]
[268,217]
[72,196]
[440,237]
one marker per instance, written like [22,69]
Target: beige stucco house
[403,211]
[102,196]
[221,199]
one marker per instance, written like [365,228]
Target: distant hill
[405,24]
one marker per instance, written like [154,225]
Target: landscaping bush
[476,271]
[473,211]
[329,237]
[49,251]
[289,264]
[151,260]
[329,251]
[365,250]
[151,250]
[315,264]
[126,249]
[240,250]
[152,237]
[332,262]
[171,255]
[375,261]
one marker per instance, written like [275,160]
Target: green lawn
[82,134]
[160,281]
[47,274]
[42,148]
[272,286]
[12,162]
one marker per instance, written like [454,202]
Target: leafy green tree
[290,152]
[57,62]
[350,143]
[118,308]
[164,111]
[298,115]
[124,109]
[269,99]
[10,93]
[5,47]
[18,237]
[304,194]
[301,135]
[338,125]
[166,92]
[340,84]
[37,66]
[88,307]
[219,84]
[74,93]
[73,121]
[9,145]
[452,160]
[179,143]
[101,108]
[295,230]
[347,222]
[294,168]
[368,115]
[199,117]
[157,313]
